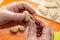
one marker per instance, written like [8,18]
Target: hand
[14,11]
[44,32]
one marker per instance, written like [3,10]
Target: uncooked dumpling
[58,2]
[50,4]
[43,10]
[53,14]
[49,0]
[58,11]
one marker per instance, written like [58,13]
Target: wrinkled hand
[43,31]
[14,11]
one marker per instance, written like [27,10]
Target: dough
[49,0]
[43,10]
[29,17]
[58,2]
[22,28]
[53,14]
[50,4]
[14,29]
[58,11]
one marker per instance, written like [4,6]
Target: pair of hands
[14,11]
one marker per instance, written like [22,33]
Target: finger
[40,25]
[20,6]
[13,16]
[3,17]
[52,35]
[46,30]
[32,31]
[40,22]
[17,16]
[46,33]
[12,7]
[26,6]
[29,8]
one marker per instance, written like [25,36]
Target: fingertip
[29,8]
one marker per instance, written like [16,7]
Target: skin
[14,11]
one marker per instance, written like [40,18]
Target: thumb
[16,16]
[6,16]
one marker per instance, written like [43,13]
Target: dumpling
[50,4]
[49,0]
[58,2]
[53,14]
[43,10]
